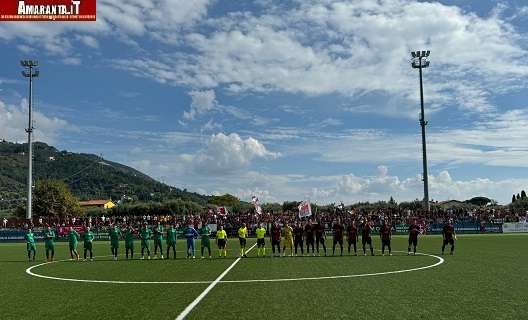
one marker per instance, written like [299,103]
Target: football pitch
[485,279]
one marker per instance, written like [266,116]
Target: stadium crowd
[232,221]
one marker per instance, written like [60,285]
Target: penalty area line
[202,295]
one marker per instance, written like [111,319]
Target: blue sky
[286,100]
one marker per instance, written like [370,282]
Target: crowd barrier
[100,234]
[436,228]
[514,227]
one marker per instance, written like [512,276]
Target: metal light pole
[30,72]
[420,61]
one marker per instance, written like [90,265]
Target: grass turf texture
[486,278]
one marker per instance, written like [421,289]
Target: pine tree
[523,195]
[513,198]
[518,196]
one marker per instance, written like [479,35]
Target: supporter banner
[401,228]
[17,234]
[491,228]
[256,203]
[436,228]
[47,10]
[305,210]
[514,227]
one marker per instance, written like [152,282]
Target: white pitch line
[202,295]
[29,271]
[440,261]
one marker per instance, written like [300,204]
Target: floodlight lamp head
[413,54]
[29,63]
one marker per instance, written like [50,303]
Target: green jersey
[171,235]
[30,238]
[129,236]
[205,233]
[145,234]
[158,233]
[115,234]
[49,236]
[88,237]
[73,237]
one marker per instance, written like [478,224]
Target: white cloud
[162,20]
[330,122]
[201,102]
[225,154]
[89,41]
[74,61]
[13,121]
[204,102]
[211,126]
[350,188]
[353,48]
[442,187]
[499,140]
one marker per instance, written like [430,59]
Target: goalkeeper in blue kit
[190,234]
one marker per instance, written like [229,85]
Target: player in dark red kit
[414,231]
[320,237]
[386,235]
[338,236]
[366,229]
[275,235]
[298,233]
[352,236]
[309,231]
[449,236]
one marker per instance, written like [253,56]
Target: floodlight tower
[30,72]
[420,61]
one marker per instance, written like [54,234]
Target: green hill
[89,176]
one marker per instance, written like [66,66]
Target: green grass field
[485,279]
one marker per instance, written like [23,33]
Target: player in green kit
[158,237]
[171,240]
[129,241]
[205,234]
[49,237]
[73,238]
[144,235]
[88,238]
[115,235]
[30,244]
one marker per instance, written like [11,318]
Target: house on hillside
[103,204]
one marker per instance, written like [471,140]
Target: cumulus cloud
[224,154]
[13,121]
[351,188]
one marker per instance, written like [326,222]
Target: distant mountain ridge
[88,176]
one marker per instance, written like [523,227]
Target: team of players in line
[295,238]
